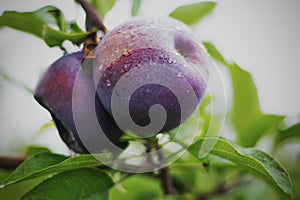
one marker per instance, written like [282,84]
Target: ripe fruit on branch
[149,76]
[145,62]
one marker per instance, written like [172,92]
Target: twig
[221,189]
[11,162]
[166,181]
[188,166]
[93,20]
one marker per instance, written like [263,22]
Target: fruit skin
[55,92]
[142,42]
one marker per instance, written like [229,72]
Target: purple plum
[55,92]
[176,58]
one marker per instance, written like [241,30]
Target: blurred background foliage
[215,177]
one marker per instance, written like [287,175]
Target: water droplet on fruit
[126,53]
[126,67]
[179,74]
[108,83]
[109,66]
[178,28]
[143,32]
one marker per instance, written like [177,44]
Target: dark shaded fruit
[55,92]
[170,49]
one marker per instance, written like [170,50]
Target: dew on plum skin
[150,42]
[108,82]
[126,67]
[109,66]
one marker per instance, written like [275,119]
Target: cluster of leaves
[52,176]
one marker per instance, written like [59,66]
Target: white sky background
[262,36]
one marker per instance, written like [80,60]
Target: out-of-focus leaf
[36,149]
[259,124]
[245,98]
[214,53]
[136,4]
[250,160]
[203,113]
[103,6]
[46,126]
[47,163]
[40,23]
[289,133]
[173,198]
[137,187]
[75,184]
[246,116]
[193,13]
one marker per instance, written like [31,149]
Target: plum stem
[93,20]
[164,174]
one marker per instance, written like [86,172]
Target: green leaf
[46,126]
[250,160]
[17,190]
[139,186]
[75,184]
[292,132]
[214,53]
[38,23]
[193,13]
[246,116]
[44,164]
[136,4]
[103,6]
[36,149]
[254,129]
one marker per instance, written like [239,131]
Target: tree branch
[93,21]
[11,162]
[166,181]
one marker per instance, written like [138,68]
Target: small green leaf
[38,23]
[46,126]
[44,164]
[292,132]
[136,4]
[250,160]
[246,116]
[103,6]
[36,149]
[214,53]
[193,13]
[75,184]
